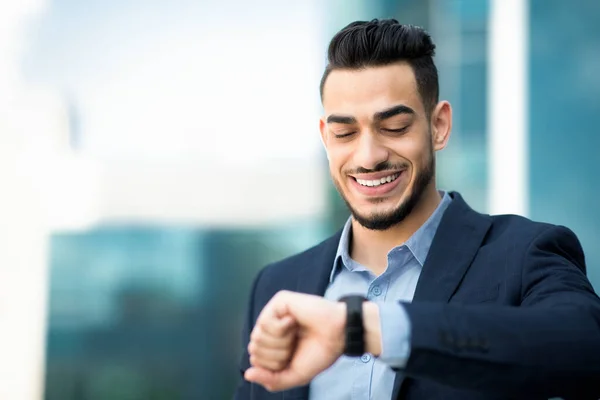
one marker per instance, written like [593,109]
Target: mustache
[384,166]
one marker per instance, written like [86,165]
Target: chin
[376,207]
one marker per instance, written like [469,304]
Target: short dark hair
[376,43]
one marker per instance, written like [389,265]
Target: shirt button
[376,290]
[365,358]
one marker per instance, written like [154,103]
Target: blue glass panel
[564,106]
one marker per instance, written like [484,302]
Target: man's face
[378,140]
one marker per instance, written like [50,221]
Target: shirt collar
[418,244]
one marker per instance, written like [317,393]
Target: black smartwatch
[355,332]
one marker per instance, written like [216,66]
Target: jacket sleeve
[547,347]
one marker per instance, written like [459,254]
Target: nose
[370,152]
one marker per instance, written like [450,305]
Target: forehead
[369,90]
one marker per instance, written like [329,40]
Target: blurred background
[154,155]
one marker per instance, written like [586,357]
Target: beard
[380,221]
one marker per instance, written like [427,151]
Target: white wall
[508,99]
[23,227]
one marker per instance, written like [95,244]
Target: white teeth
[378,182]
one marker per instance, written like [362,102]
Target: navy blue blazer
[502,310]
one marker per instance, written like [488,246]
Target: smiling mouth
[378,182]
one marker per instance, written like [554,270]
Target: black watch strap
[355,332]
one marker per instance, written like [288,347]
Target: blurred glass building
[196,158]
[564,86]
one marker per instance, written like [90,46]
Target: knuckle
[282,294]
[258,362]
[285,331]
[256,336]
[266,330]
[263,324]
[277,330]
[257,351]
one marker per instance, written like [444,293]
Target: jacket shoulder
[523,232]
[518,226]
[288,269]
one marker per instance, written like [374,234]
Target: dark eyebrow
[341,119]
[379,116]
[392,112]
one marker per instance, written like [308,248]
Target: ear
[441,125]
[323,129]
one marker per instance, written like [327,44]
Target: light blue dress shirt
[368,377]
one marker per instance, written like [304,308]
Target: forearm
[387,332]
[543,350]
[489,348]
[372,324]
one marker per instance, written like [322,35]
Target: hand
[272,341]
[316,327]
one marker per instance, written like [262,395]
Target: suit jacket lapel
[457,240]
[313,279]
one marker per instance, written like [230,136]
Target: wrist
[372,325]
[339,326]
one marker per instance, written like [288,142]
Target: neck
[370,248]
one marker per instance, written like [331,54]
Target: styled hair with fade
[376,43]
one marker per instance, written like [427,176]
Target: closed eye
[400,130]
[343,135]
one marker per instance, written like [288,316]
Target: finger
[274,381]
[269,342]
[276,307]
[286,322]
[280,308]
[277,327]
[274,360]
[271,316]
[261,376]
[260,338]
[269,352]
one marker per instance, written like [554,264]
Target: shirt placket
[365,364]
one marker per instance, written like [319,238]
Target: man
[454,304]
